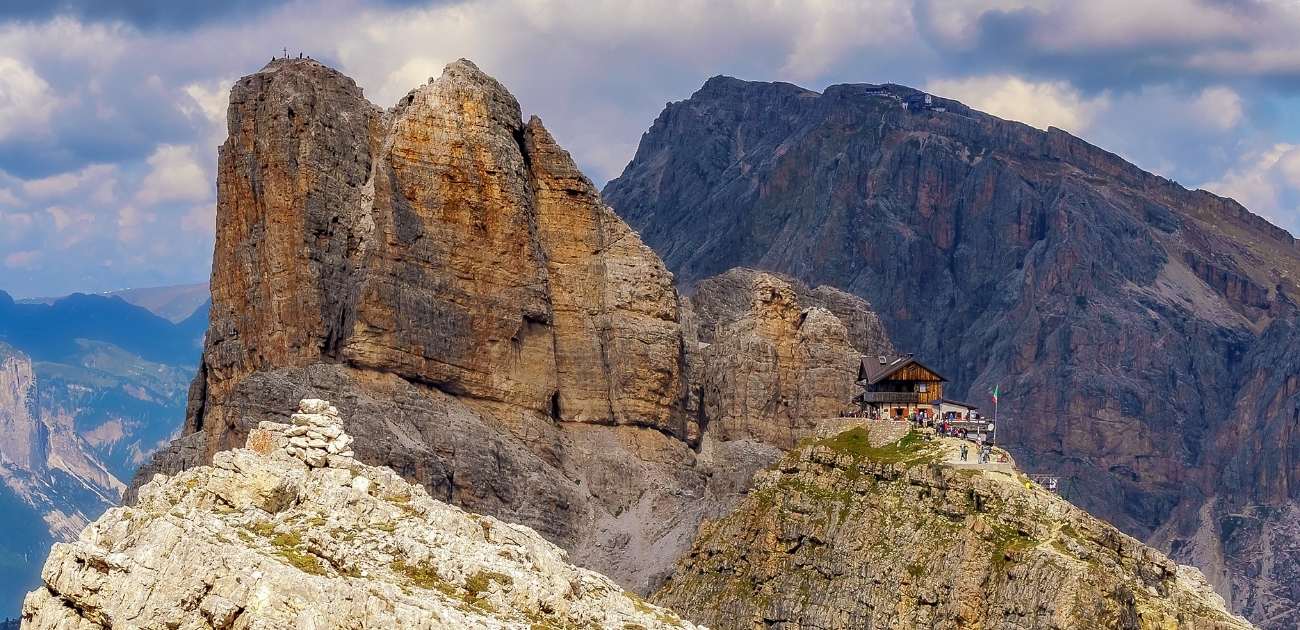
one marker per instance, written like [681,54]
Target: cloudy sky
[111,112]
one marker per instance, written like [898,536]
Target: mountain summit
[1144,336]
[445,274]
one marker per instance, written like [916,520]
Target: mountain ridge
[1026,259]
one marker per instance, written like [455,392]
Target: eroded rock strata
[443,272]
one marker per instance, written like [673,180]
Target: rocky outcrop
[844,534]
[1139,331]
[723,299]
[264,538]
[770,373]
[445,274]
[443,241]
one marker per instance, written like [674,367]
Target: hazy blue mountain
[90,385]
[173,303]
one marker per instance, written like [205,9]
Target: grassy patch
[856,442]
[302,561]
[287,539]
[482,581]
[286,546]
[425,577]
[265,529]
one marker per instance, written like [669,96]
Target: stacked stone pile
[317,433]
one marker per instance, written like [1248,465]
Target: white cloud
[131,221]
[1219,107]
[26,101]
[16,226]
[67,39]
[826,31]
[101,176]
[7,197]
[1267,182]
[207,100]
[72,225]
[1042,104]
[174,175]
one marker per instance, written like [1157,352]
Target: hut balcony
[893,397]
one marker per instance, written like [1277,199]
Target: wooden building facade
[900,388]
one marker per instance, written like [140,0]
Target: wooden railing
[892,397]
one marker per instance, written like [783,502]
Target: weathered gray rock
[260,540]
[721,300]
[773,370]
[1139,330]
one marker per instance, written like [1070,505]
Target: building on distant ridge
[900,388]
[906,388]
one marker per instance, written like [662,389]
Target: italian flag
[994,391]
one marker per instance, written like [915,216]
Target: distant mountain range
[173,303]
[90,385]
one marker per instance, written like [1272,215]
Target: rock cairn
[317,433]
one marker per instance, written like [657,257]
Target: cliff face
[444,273]
[1138,330]
[772,368]
[843,534]
[443,241]
[269,538]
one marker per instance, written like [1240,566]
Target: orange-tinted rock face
[453,290]
[444,241]
[292,171]
[446,276]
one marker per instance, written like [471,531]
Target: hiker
[964,450]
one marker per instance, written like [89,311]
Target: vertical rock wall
[444,273]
